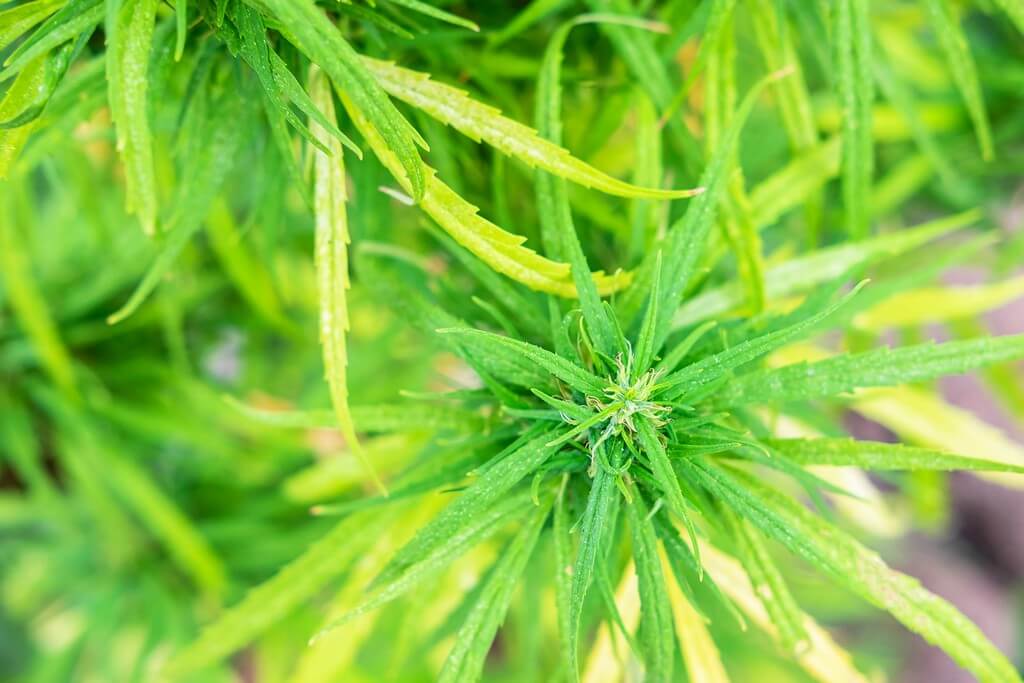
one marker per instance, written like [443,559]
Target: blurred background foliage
[136,501]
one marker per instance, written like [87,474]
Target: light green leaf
[923,418]
[331,260]
[769,585]
[130,42]
[371,418]
[482,122]
[961,64]
[1013,9]
[215,139]
[877,456]
[15,21]
[322,42]
[268,603]
[74,18]
[502,251]
[876,368]
[822,265]
[563,571]
[23,296]
[592,529]
[823,660]
[18,97]
[465,661]
[431,11]
[711,368]
[497,480]
[796,182]
[700,656]
[852,36]
[184,542]
[657,636]
[452,544]
[571,374]
[686,238]
[557,229]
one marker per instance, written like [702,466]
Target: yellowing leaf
[482,122]
[923,418]
[329,197]
[865,507]
[703,662]
[604,665]
[937,304]
[823,659]
[501,250]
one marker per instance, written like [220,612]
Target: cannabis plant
[595,435]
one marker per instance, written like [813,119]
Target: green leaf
[854,88]
[876,368]
[217,137]
[531,14]
[799,181]
[501,250]
[1014,9]
[661,467]
[712,368]
[687,237]
[130,43]
[18,96]
[184,542]
[644,355]
[954,44]
[331,260]
[557,227]
[465,661]
[481,122]
[497,480]
[769,585]
[75,18]
[431,11]
[15,21]
[563,571]
[863,572]
[23,296]
[322,42]
[657,636]
[573,375]
[371,418]
[276,598]
[877,456]
[454,542]
[593,528]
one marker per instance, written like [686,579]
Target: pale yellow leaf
[701,656]
[823,658]
[939,304]
[605,663]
